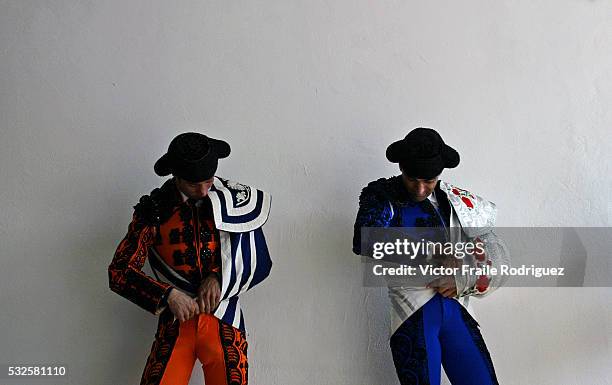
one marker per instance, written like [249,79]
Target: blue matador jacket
[466,216]
[238,211]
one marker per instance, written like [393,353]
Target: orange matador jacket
[186,242]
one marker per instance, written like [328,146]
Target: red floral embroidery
[464,195]
[482,284]
[467,202]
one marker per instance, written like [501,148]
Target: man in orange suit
[190,230]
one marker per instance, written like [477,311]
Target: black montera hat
[192,156]
[422,154]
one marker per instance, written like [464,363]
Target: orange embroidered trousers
[220,348]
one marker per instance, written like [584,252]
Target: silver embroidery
[240,191]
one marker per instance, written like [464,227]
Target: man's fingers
[201,305]
[204,299]
[447,288]
[209,301]
[188,310]
[442,286]
[194,308]
[217,298]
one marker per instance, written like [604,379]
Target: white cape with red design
[472,219]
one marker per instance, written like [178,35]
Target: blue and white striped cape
[239,213]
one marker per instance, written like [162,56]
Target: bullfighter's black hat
[192,156]
[422,154]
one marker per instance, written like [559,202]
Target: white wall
[308,93]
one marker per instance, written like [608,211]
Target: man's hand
[446,285]
[209,294]
[182,306]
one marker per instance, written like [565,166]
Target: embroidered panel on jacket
[189,242]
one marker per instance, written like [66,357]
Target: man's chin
[418,199]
